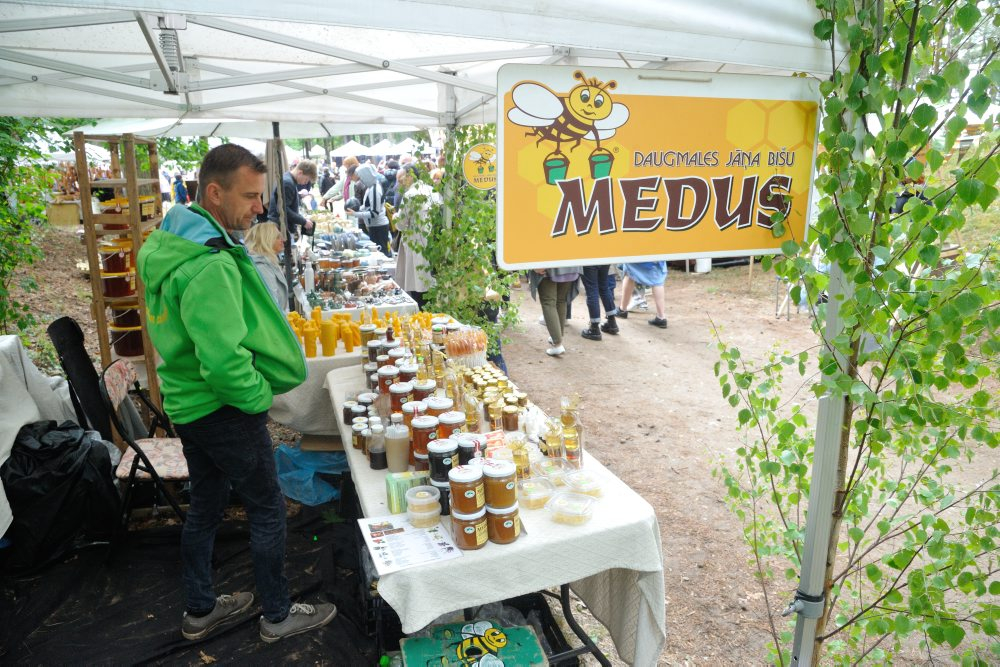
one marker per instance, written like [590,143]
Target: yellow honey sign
[607,165]
[480,166]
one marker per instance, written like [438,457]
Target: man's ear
[213,193]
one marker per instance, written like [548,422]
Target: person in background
[412,270]
[264,243]
[600,291]
[437,175]
[303,173]
[164,185]
[652,275]
[226,352]
[179,190]
[327,180]
[551,288]
[371,213]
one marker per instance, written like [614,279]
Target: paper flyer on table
[395,544]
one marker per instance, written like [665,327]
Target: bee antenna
[579,75]
[610,85]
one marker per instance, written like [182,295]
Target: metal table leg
[588,645]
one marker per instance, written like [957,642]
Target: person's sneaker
[593,332]
[637,304]
[227,608]
[555,351]
[623,314]
[660,322]
[610,326]
[301,618]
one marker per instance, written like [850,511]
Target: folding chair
[159,460]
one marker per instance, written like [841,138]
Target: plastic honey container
[554,469]
[469,531]
[570,508]
[467,491]
[500,483]
[585,482]
[534,492]
[450,423]
[503,525]
[427,519]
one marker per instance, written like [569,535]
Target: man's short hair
[222,162]
[307,168]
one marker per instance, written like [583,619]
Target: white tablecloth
[307,407]
[613,562]
[26,396]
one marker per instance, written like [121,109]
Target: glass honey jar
[503,524]
[468,494]
[500,482]
[423,430]
[469,531]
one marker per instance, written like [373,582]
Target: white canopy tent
[255,60]
[384,147]
[262,61]
[350,148]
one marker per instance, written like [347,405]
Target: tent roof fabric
[397,64]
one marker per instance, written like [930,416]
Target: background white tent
[382,148]
[407,145]
[349,149]
[249,129]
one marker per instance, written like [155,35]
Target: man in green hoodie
[227,350]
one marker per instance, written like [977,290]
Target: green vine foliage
[461,243]
[914,563]
[24,184]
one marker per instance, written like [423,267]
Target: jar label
[510,486]
[469,530]
[470,494]
[517,526]
[480,496]
[482,533]
[508,523]
[446,461]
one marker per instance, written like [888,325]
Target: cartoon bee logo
[480,166]
[586,112]
[481,642]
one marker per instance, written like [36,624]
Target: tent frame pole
[810,597]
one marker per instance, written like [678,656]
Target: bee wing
[475,629]
[617,118]
[490,660]
[537,100]
[600,134]
[518,117]
[493,158]
[475,156]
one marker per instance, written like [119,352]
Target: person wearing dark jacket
[299,177]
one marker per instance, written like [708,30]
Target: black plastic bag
[60,486]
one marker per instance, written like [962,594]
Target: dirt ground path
[655,416]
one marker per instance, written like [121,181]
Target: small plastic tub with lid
[534,492]
[426,519]
[554,469]
[574,509]
[423,498]
[585,482]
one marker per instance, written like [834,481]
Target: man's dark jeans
[600,290]
[230,448]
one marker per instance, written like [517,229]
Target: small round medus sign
[480,166]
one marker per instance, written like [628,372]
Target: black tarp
[126,609]
[59,483]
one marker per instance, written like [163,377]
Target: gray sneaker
[301,618]
[227,608]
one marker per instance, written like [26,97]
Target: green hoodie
[222,339]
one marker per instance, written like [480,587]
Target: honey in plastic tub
[426,519]
[534,492]
[467,490]
[554,469]
[118,284]
[423,499]
[585,482]
[573,509]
